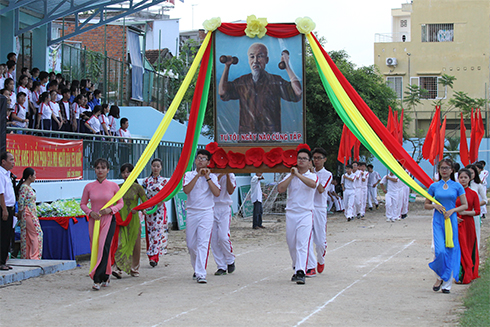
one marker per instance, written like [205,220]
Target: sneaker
[320,268]
[194,276]
[294,278]
[201,280]
[96,286]
[300,277]
[404,216]
[311,273]
[231,268]
[370,208]
[349,218]
[220,272]
[377,206]
[483,216]
[106,283]
[388,219]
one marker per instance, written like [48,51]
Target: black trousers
[5,234]
[100,275]
[257,215]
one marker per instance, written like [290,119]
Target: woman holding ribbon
[127,255]
[98,193]
[447,254]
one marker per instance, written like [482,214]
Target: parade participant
[256,199]
[31,234]
[349,190]
[372,187]
[466,231]
[336,198]
[201,187]
[446,259]
[405,197]
[220,237]
[301,185]
[127,257]
[156,223]
[260,113]
[483,178]
[477,186]
[7,202]
[392,187]
[19,115]
[319,229]
[98,193]
[364,189]
[358,189]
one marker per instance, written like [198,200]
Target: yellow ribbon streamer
[152,145]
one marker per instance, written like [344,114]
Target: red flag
[345,145]
[429,138]
[442,139]
[436,142]
[357,145]
[481,127]
[463,144]
[389,124]
[394,126]
[400,129]
[473,138]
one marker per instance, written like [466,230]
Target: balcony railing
[391,37]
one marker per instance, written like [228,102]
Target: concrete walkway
[25,268]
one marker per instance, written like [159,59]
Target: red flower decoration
[211,163]
[212,147]
[302,146]
[236,160]
[255,157]
[289,157]
[273,157]
[219,158]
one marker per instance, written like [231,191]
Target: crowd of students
[47,101]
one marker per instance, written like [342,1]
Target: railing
[391,37]
[115,150]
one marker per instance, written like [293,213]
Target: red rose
[273,157]
[211,163]
[289,157]
[303,146]
[255,157]
[219,158]
[236,160]
[212,147]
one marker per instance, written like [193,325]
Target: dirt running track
[376,275]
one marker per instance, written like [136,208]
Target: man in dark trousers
[7,203]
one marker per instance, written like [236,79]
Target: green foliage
[447,80]
[413,95]
[94,65]
[464,103]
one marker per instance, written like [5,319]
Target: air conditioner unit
[390,61]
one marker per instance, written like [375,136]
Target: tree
[413,95]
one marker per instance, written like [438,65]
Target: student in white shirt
[65,110]
[56,121]
[358,188]
[483,178]
[256,199]
[392,186]
[201,188]
[44,113]
[301,185]
[372,187]
[113,115]
[220,237]
[319,237]
[104,120]
[335,198]
[19,115]
[93,124]
[10,86]
[364,181]
[349,190]
[124,131]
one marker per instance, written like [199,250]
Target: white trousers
[483,209]
[298,236]
[405,196]
[339,204]
[220,237]
[393,205]
[362,203]
[319,237]
[199,224]
[349,203]
[372,193]
[357,201]
[477,229]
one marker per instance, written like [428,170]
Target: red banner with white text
[52,159]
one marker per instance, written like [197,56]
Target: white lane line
[357,281]
[237,290]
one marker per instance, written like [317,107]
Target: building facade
[430,38]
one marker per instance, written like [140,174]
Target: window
[437,32]
[396,84]
[431,84]
[403,23]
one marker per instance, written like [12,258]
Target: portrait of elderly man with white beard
[260,93]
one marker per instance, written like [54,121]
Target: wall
[169,36]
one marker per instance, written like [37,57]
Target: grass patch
[477,300]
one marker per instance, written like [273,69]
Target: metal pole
[123,57]
[3,123]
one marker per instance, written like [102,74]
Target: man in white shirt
[256,199]
[201,188]
[364,180]
[220,237]
[372,187]
[7,203]
[349,190]
[392,186]
[358,188]
[319,229]
[301,185]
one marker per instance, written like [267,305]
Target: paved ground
[376,275]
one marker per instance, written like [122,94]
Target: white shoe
[107,283]
[388,219]
[201,280]
[96,287]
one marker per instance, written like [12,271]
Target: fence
[116,151]
[113,77]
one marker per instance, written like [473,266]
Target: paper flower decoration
[305,25]
[236,160]
[212,147]
[256,27]
[289,158]
[254,157]
[301,146]
[220,158]
[211,24]
[273,157]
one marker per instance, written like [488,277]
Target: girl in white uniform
[349,192]
[19,115]
[301,185]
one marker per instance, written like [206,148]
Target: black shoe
[116,274]
[437,288]
[153,263]
[483,216]
[370,208]
[446,291]
[404,216]
[194,276]
[220,272]
[231,268]
[300,277]
[256,227]
[377,206]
